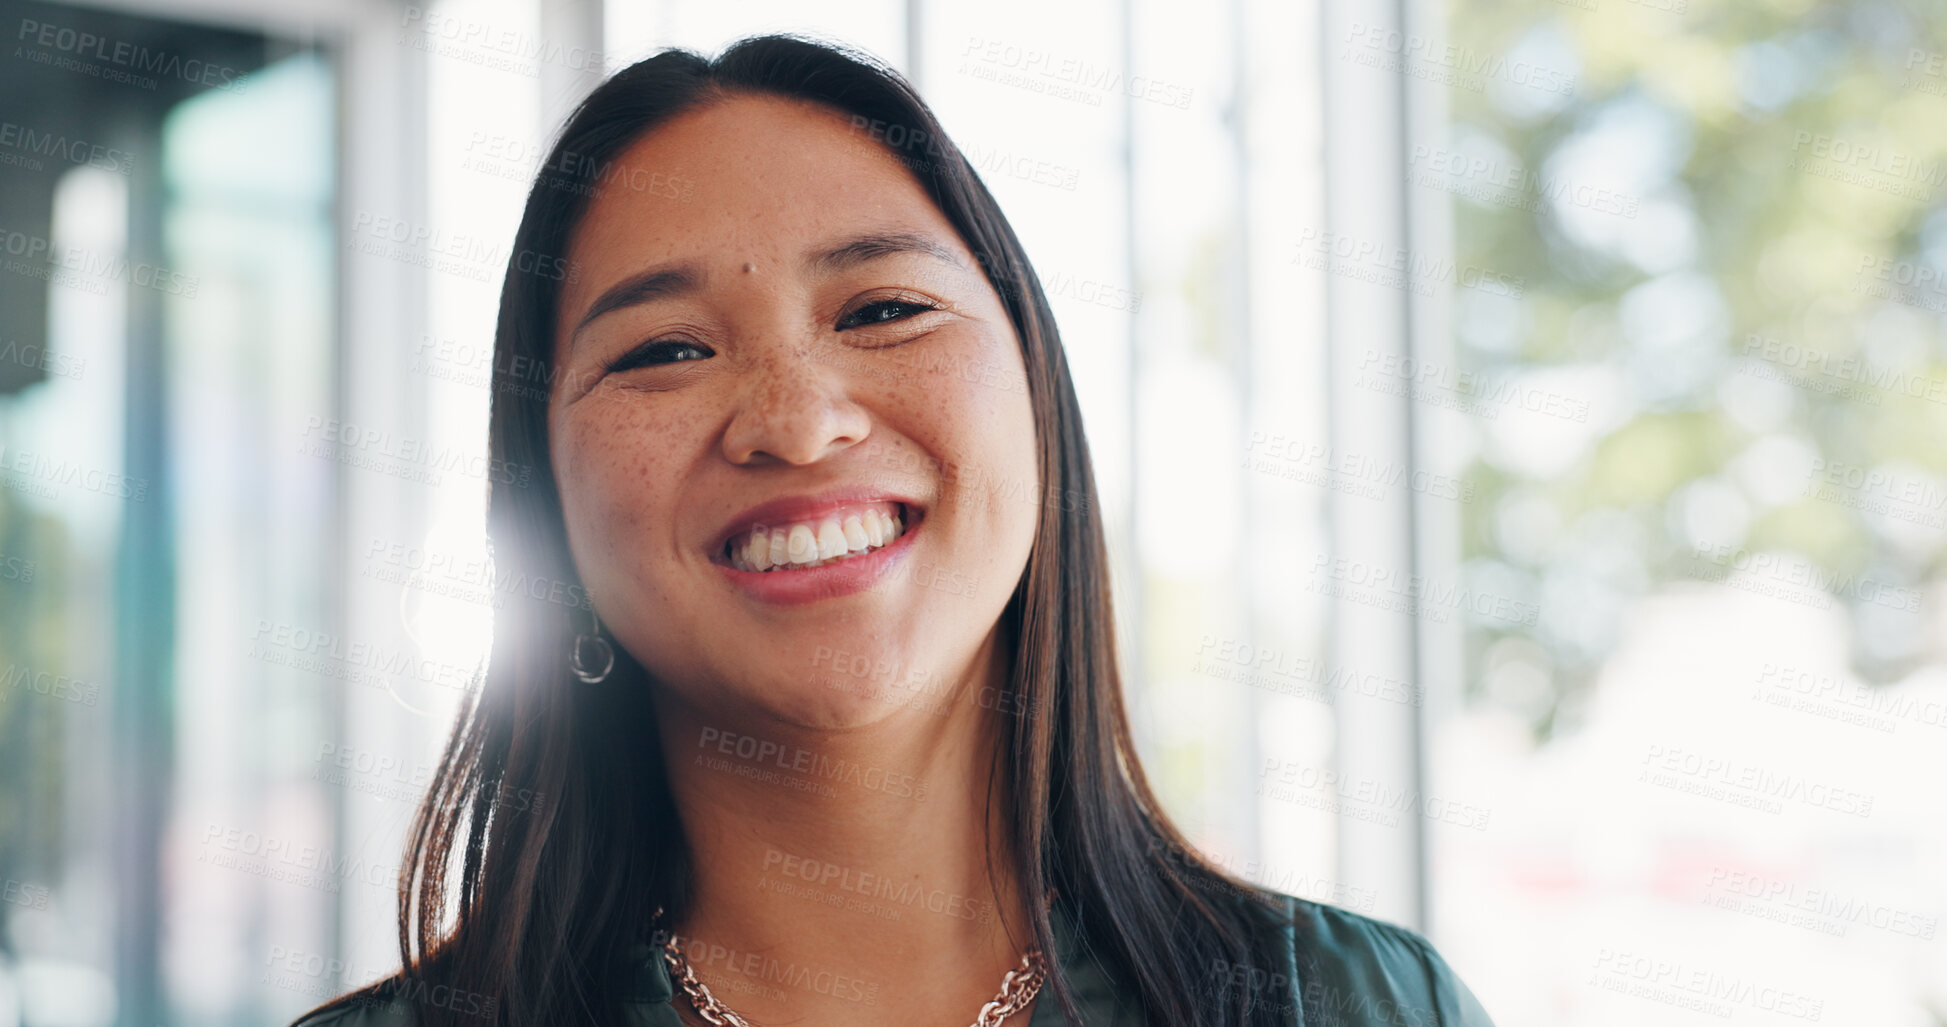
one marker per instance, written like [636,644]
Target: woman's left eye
[655,353]
[882,312]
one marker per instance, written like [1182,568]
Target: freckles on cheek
[614,477]
[987,400]
[988,418]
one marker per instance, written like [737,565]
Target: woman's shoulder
[392,1003]
[1353,970]
[357,1013]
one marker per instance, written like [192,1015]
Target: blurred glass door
[167,298]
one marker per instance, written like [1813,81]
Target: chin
[833,702]
[842,686]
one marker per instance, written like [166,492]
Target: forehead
[746,178]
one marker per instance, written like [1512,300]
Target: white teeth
[831,540]
[803,544]
[807,545]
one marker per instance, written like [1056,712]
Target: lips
[826,579]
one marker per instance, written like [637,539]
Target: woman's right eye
[668,351]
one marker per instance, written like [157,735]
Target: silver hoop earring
[591,657]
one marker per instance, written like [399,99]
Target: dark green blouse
[1334,968]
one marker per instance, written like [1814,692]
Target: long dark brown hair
[551,796]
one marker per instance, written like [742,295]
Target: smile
[823,570]
[844,534]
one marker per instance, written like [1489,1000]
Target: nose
[796,409]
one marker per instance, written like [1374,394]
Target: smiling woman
[857,752]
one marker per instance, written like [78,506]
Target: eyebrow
[667,281]
[871,247]
[646,287]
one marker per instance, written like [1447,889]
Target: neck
[843,877]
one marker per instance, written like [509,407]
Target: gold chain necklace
[1018,988]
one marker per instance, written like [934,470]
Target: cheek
[981,428]
[1015,487]
[612,477]
[1000,399]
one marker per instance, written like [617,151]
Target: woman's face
[773,327]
